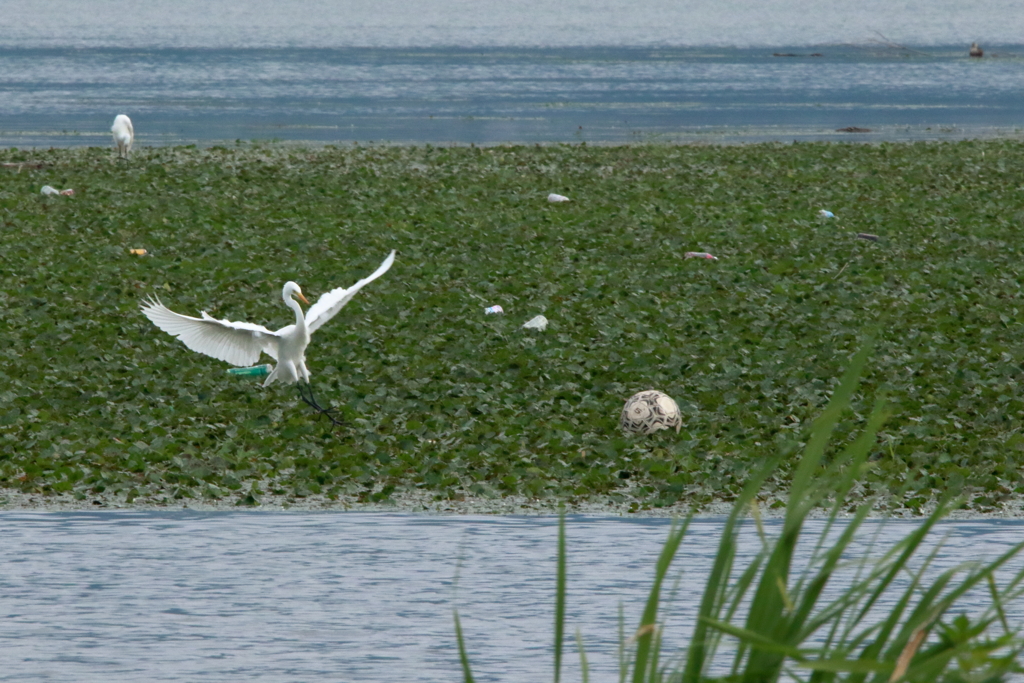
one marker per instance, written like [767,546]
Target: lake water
[455,71]
[188,596]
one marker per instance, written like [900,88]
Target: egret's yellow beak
[304,300]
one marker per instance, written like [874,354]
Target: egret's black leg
[306,394]
[329,412]
[302,394]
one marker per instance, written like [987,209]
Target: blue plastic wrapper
[254,371]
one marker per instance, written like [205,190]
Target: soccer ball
[649,411]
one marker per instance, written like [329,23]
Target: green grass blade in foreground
[584,666]
[769,615]
[560,598]
[993,592]
[623,654]
[847,468]
[735,599]
[934,604]
[467,674]
[891,565]
[716,588]
[800,490]
[644,665]
[930,606]
[800,623]
[752,637]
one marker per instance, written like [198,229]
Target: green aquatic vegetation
[439,397]
[771,621]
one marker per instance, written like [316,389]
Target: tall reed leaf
[645,634]
[467,674]
[560,598]
[768,615]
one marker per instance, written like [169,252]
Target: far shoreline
[423,503]
[857,132]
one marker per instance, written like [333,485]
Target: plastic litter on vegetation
[138,252]
[254,371]
[700,254]
[867,236]
[47,190]
[494,309]
[826,214]
[556,198]
[22,164]
[537,323]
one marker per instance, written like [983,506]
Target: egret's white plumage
[124,135]
[242,343]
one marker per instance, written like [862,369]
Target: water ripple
[185,596]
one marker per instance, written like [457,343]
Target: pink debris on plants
[700,254]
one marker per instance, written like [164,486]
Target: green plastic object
[254,371]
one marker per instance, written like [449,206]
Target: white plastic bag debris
[826,214]
[556,198]
[700,254]
[537,323]
[493,309]
[47,190]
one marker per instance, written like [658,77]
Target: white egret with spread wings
[241,343]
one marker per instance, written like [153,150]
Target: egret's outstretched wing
[333,301]
[236,343]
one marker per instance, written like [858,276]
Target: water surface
[507,72]
[184,596]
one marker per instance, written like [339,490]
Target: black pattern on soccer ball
[649,411]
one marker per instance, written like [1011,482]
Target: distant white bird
[124,135]
[241,343]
